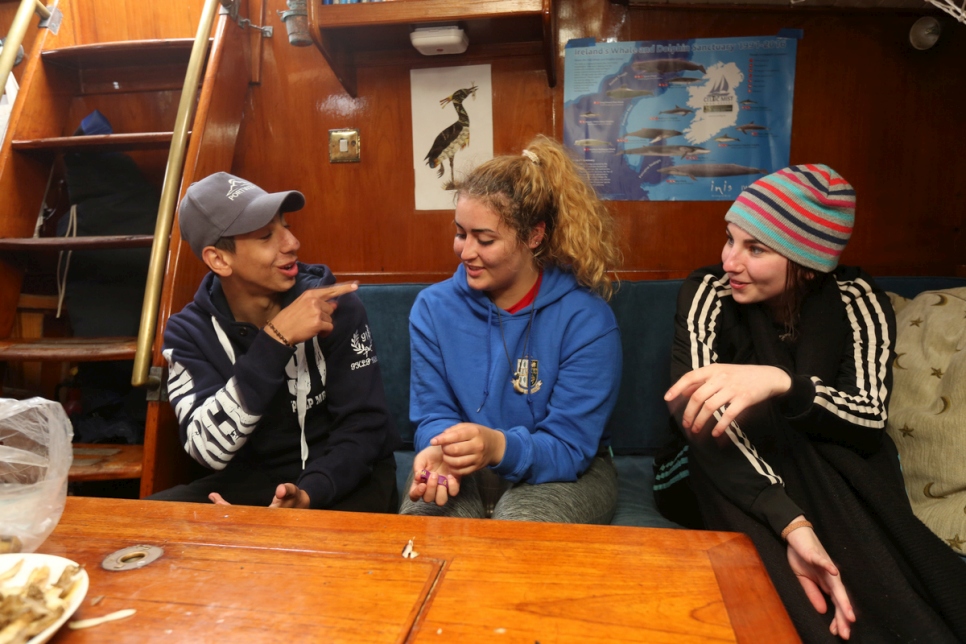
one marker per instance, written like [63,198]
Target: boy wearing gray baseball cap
[272,371]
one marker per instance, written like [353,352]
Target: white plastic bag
[35,457]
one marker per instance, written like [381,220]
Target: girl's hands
[817,575]
[468,447]
[433,482]
[460,450]
[735,386]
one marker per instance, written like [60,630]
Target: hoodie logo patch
[292,378]
[527,376]
[361,343]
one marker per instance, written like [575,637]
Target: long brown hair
[799,282]
[544,185]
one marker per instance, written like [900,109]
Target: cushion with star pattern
[927,412]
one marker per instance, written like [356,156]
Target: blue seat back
[388,306]
[911,286]
[644,311]
[645,314]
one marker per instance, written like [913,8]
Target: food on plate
[29,608]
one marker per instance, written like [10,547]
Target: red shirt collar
[528,298]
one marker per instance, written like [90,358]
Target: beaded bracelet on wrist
[279,335]
[795,525]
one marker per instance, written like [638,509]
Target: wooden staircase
[137,85]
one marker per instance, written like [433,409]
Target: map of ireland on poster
[686,120]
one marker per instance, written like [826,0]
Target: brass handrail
[18,29]
[169,197]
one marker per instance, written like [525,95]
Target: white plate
[56,565]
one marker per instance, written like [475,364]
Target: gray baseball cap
[223,205]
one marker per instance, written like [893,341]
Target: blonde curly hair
[544,185]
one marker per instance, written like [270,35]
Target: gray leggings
[592,498]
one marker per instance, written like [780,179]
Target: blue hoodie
[460,373]
[242,396]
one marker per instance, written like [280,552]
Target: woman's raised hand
[735,386]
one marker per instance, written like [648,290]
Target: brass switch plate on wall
[344,146]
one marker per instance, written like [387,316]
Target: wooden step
[127,66]
[27,244]
[125,53]
[105,462]
[68,349]
[34,302]
[97,143]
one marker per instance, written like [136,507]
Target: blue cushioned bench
[645,314]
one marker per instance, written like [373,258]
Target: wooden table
[242,574]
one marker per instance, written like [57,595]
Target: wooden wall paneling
[866,103]
[39,111]
[370,228]
[886,134]
[605,21]
[211,148]
[96,21]
[360,217]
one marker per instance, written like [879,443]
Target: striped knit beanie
[804,212]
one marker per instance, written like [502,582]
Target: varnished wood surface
[420,11]
[122,53]
[75,243]
[99,21]
[549,19]
[218,120]
[907,220]
[56,101]
[68,349]
[52,103]
[910,212]
[258,575]
[361,218]
[23,179]
[123,463]
[348,36]
[37,302]
[125,66]
[98,142]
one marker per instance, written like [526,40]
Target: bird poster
[685,120]
[452,129]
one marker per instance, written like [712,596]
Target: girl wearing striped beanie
[782,363]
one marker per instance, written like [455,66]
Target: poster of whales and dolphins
[684,120]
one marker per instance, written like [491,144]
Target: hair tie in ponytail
[532,156]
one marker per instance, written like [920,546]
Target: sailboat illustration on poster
[720,88]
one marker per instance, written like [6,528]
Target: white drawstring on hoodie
[303,387]
[303,382]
